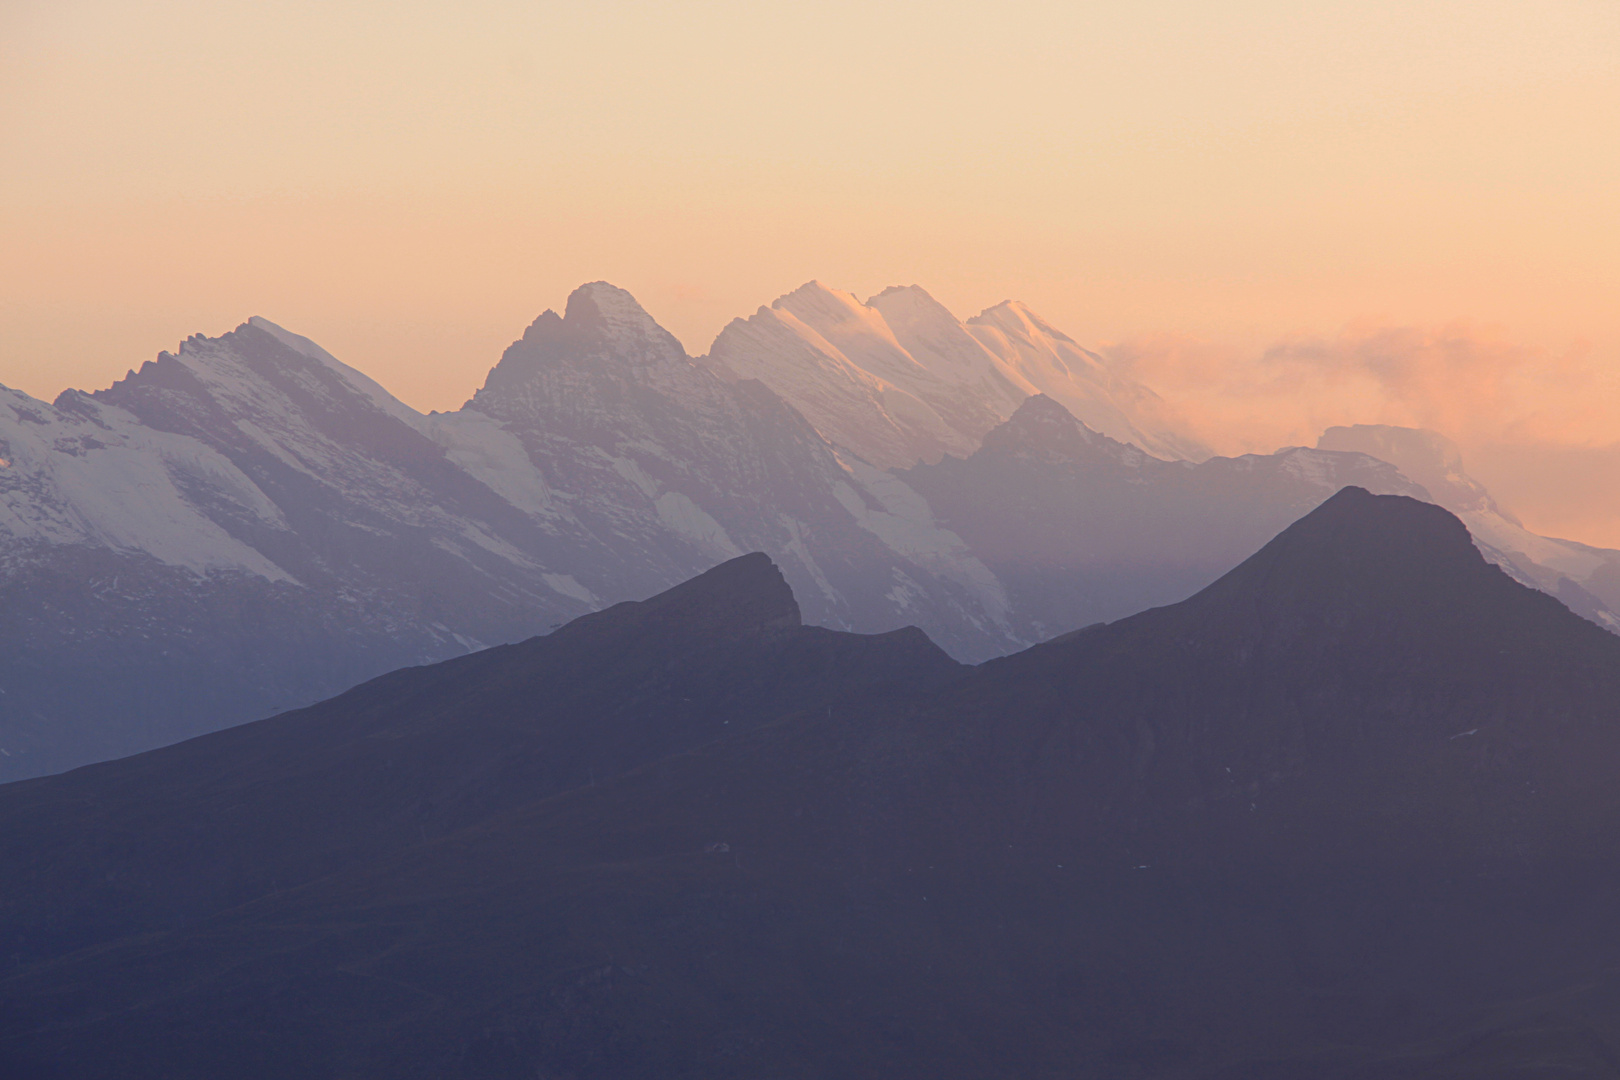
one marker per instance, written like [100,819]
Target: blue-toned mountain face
[248,525]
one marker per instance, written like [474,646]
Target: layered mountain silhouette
[179,833]
[1585,578]
[1104,530]
[248,525]
[1347,812]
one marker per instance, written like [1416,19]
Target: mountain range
[899,379]
[248,525]
[1347,812]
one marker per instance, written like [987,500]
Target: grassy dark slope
[161,839]
[1349,812]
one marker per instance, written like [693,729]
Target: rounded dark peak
[1355,516]
[1359,552]
[744,594]
[1382,527]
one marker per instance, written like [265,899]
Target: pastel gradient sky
[1281,215]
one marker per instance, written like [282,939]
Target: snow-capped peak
[899,379]
[859,332]
[1015,317]
[841,365]
[365,384]
[621,323]
[940,342]
[602,327]
[85,474]
[815,301]
[1035,352]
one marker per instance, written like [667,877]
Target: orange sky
[1199,184]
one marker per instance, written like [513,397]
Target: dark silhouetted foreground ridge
[1349,812]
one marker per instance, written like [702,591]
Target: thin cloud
[1505,402]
